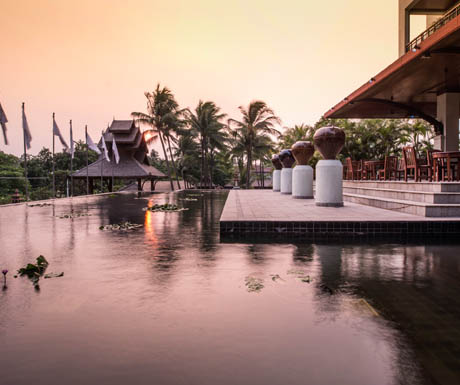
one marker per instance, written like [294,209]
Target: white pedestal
[276,181]
[286,181]
[302,182]
[329,183]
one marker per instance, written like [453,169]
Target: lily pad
[54,275]
[167,207]
[254,284]
[35,271]
[123,226]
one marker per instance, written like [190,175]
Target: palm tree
[188,159]
[258,119]
[205,124]
[295,134]
[162,115]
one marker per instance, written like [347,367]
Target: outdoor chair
[413,165]
[354,169]
[400,169]
[390,168]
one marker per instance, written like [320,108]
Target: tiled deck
[267,212]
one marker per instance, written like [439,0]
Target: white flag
[91,145]
[115,150]
[104,147]
[25,129]
[57,132]
[3,121]
[72,149]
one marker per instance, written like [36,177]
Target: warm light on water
[168,303]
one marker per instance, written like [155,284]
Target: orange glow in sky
[92,60]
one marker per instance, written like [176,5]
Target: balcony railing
[452,14]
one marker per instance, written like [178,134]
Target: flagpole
[25,156]
[71,159]
[102,162]
[54,178]
[87,174]
[113,165]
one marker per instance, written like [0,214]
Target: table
[446,159]
[371,167]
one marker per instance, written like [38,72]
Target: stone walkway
[264,211]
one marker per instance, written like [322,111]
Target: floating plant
[40,205]
[167,207]
[4,272]
[74,215]
[122,226]
[254,284]
[34,271]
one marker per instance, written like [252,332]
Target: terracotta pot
[329,141]
[302,152]
[276,162]
[286,158]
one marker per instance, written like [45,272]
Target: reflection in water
[168,303]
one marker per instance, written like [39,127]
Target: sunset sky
[92,60]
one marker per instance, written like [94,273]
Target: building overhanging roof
[408,87]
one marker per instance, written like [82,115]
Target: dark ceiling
[426,6]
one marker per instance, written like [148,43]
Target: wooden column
[91,186]
[152,185]
[139,184]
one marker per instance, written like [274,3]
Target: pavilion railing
[452,14]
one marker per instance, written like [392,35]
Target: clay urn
[329,141]
[276,162]
[286,158]
[302,152]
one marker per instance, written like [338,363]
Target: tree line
[204,148]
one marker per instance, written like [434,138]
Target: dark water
[168,303]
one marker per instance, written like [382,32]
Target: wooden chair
[400,169]
[390,167]
[412,162]
[354,169]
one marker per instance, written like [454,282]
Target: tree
[162,115]
[295,134]
[205,123]
[258,119]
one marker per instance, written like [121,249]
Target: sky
[92,60]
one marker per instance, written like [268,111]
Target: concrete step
[439,187]
[406,195]
[406,206]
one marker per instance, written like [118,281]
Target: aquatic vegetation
[34,271]
[276,277]
[54,275]
[122,226]
[167,207]
[254,284]
[188,199]
[300,274]
[40,205]
[194,195]
[73,214]
[4,272]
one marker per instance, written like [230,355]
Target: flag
[104,147]
[115,151]
[91,145]
[3,121]
[72,149]
[57,132]
[25,129]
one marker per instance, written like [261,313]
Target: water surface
[168,303]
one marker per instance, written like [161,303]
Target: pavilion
[424,82]
[133,164]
